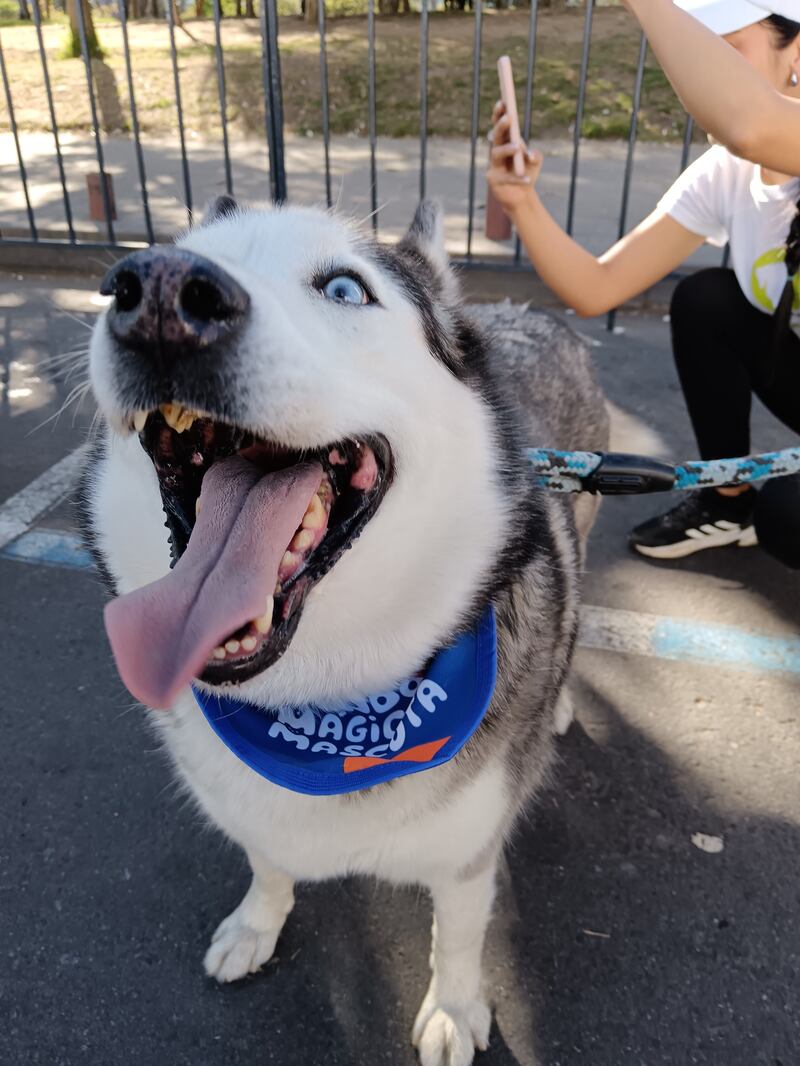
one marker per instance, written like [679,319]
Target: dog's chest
[421,825]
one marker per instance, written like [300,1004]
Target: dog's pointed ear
[426,234]
[220,207]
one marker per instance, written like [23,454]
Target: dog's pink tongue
[163,634]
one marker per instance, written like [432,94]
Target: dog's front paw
[238,949]
[448,1036]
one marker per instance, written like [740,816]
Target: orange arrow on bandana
[422,753]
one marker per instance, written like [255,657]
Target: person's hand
[510,191]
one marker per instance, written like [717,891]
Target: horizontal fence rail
[150,154]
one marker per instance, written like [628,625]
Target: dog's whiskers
[75,396]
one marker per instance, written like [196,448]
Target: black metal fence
[279,187]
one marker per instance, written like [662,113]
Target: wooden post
[96,206]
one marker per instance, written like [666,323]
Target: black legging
[724,353]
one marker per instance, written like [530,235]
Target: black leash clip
[620,474]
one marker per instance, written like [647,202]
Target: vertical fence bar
[276,96]
[373,118]
[273,99]
[265,76]
[476,100]
[187,181]
[423,98]
[223,96]
[137,140]
[37,18]
[326,114]
[529,79]
[20,161]
[633,129]
[576,140]
[687,142]
[87,60]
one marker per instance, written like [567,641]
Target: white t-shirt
[724,199]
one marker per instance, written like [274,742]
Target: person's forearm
[726,96]
[573,274]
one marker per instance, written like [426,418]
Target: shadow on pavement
[616,942]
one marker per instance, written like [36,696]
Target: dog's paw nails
[449,1037]
[237,950]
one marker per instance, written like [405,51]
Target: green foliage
[9,12]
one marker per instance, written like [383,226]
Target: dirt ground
[614,50]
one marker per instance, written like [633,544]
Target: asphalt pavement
[617,940]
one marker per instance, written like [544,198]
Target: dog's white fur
[342,374]
[309,373]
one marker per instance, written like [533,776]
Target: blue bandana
[422,722]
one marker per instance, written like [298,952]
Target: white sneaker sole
[745,538]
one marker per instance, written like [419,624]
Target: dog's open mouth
[253,527]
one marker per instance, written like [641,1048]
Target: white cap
[728,16]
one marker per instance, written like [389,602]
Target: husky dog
[260,350]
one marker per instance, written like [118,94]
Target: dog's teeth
[197,506]
[139,420]
[185,420]
[178,417]
[314,518]
[171,413]
[325,494]
[264,623]
[289,564]
[302,541]
[218,653]
[232,646]
[249,644]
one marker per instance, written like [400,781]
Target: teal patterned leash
[613,474]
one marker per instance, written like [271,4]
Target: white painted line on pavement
[607,629]
[612,629]
[685,640]
[21,510]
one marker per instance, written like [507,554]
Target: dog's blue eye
[345,290]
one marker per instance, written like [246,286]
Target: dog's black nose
[172,303]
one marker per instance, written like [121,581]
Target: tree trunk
[249,9]
[24,11]
[200,8]
[75,33]
[311,11]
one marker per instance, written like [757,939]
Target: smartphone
[509,98]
